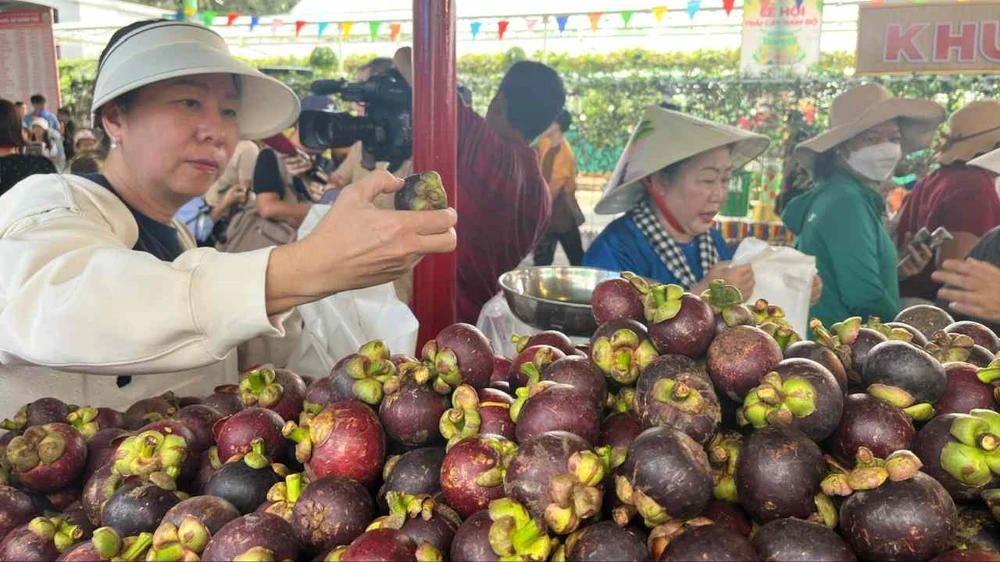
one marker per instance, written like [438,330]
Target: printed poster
[780,36]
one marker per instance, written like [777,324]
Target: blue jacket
[623,247]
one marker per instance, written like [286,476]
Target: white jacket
[75,297]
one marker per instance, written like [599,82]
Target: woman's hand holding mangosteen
[356,245]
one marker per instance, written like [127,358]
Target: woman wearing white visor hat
[98,284]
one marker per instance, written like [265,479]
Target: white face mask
[876,162]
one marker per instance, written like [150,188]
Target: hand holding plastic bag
[782,276]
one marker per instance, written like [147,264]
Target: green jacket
[840,222]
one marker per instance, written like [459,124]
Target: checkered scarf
[668,250]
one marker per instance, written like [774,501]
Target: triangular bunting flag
[658,12]
[626,16]
[728,6]
[179,16]
[254,20]
[693,7]
[595,18]
[502,28]
[276,23]
[798,3]
[394,30]
[474,28]
[190,12]
[208,17]
[298,27]
[321,27]
[561,22]
[373,28]
[531,23]
[231,18]
[345,28]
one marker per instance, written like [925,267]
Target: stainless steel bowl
[554,298]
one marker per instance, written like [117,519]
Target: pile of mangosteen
[692,427]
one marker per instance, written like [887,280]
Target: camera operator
[286,184]
[504,201]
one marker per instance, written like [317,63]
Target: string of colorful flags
[375,28]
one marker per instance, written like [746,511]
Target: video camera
[385,131]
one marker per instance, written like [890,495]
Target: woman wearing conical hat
[840,221]
[670,182]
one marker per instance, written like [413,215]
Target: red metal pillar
[435,147]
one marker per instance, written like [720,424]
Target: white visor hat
[171,49]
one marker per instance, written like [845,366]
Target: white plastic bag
[499,325]
[338,325]
[782,276]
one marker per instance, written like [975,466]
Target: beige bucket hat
[171,49]
[866,106]
[664,137]
[973,131]
[989,161]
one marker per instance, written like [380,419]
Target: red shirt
[959,198]
[503,208]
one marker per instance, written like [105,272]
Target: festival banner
[28,56]
[780,36]
[932,37]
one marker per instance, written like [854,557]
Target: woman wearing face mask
[670,182]
[840,221]
[105,300]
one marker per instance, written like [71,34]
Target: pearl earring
[114,143]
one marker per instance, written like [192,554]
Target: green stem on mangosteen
[892,394]
[107,542]
[255,554]
[969,430]
[499,537]
[165,534]
[168,553]
[835,484]
[520,342]
[51,448]
[525,538]
[138,546]
[902,465]
[679,395]
[19,422]
[66,534]
[989,374]
[920,412]
[426,552]
[965,464]
[826,512]
[193,534]
[490,478]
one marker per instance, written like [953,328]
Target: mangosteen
[472,473]
[557,478]
[415,472]
[211,511]
[870,422]
[549,406]
[527,367]
[46,458]
[794,540]
[917,338]
[225,400]
[344,439]
[978,332]
[822,355]
[621,349]
[976,529]
[137,508]
[40,412]
[666,475]
[500,379]
[200,419]
[89,421]
[605,542]
[421,192]
[472,413]
[799,393]
[513,535]
[234,434]
[152,456]
[949,347]
[410,413]
[621,401]
[551,338]
[318,395]
[107,544]
[99,488]
[618,431]
[472,539]
[894,331]
[965,390]
[909,520]
[926,318]
[579,372]
[723,455]
[282,496]
[42,539]
[616,299]
[674,392]
[331,511]
[727,305]
[960,451]
[16,509]
[246,481]
[263,535]
[905,376]
[460,353]
[366,376]
[279,390]
[966,555]
[421,518]
[382,545]
[149,410]
[778,474]
[739,358]
[709,542]
[661,535]
[981,357]
[209,463]
[729,515]
[64,498]
[679,323]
